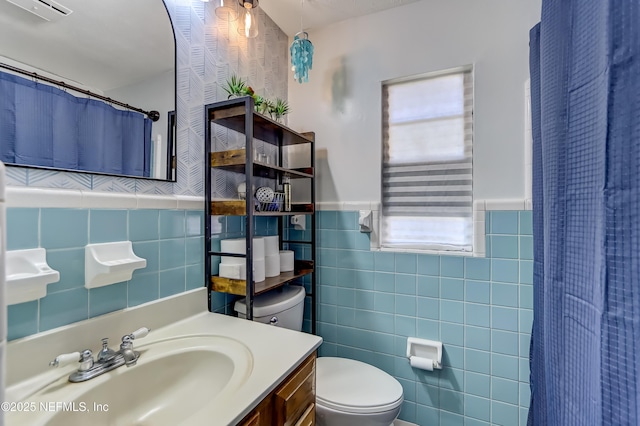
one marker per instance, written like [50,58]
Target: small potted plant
[236,87]
[279,109]
[265,106]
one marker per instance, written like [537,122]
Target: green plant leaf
[235,87]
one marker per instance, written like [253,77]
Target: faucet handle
[85,358]
[65,359]
[139,333]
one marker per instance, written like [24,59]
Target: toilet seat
[355,387]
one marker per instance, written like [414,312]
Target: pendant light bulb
[247,22]
[249,26]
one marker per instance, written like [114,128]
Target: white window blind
[427,199]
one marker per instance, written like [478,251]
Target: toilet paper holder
[424,354]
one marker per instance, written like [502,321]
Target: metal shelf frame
[239,115]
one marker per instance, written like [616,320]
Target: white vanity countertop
[275,351]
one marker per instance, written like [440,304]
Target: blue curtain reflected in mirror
[44,126]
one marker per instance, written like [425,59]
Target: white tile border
[517,204]
[74,198]
[112,200]
[188,202]
[479,215]
[43,197]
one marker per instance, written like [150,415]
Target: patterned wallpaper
[208,51]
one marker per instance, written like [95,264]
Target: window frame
[427,248]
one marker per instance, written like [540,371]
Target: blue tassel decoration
[301,57]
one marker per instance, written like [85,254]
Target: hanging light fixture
[227,10]
[301,53]
[248,25]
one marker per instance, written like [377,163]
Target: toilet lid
[355,387]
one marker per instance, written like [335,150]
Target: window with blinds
[427,200]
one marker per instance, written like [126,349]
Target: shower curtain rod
[153,115]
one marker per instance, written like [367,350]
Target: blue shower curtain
[41,125]
[585,90]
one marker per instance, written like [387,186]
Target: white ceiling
[320,13]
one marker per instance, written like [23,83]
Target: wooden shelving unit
[238,287]
[239,115]
[236,159]
[239,208]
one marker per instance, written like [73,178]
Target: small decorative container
[275,205]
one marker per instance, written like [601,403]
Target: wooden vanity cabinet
[292,403]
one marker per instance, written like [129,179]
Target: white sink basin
[174,378]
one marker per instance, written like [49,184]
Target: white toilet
[348,392]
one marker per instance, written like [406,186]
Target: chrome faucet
[107,359]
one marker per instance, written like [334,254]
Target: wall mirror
[121,49]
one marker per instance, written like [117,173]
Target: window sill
[430,251]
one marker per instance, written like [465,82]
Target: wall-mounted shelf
[110,263]
[27,275]
[239,115]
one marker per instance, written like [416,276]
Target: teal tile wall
[480,308]
[172,241]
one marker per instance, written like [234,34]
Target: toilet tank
[285,303]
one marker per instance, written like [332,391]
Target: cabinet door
[296,395]
[261,415]
[308,417]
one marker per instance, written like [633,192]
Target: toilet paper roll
[238,245]
[286,260]
[271,245]
[421,363]
[233,271]
[233,245]
[259,272]
[272,265]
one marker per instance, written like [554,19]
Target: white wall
[341,102]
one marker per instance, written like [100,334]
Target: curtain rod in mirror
[153,115]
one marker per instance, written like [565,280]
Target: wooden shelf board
[239,208]
[234,160]
[232,116]
[238,287]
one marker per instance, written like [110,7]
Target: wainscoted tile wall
[172,241]
[480,308]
